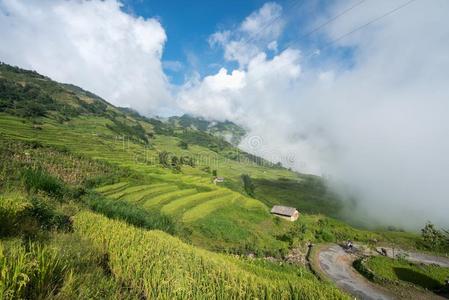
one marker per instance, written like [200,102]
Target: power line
[390,12]
[293,4]
[332,19]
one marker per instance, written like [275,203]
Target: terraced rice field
[206,208]
[209,212]
[187,203]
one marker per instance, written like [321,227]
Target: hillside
[118,205]
[227,130]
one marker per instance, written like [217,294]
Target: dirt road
[337,265]
[422,258]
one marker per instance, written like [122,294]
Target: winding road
[336,263]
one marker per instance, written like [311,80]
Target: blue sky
[189,25]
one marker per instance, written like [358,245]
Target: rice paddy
[160,266]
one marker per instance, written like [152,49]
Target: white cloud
[220,87]
[258,31]
[173,65]
[380,127]
[265,23]
[273,46]
[93,44]
[219,38]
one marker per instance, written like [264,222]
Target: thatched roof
[283,210]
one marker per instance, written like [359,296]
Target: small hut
[218,180]
[285,212]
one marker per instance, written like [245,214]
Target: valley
[100,202]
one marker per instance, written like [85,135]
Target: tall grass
[160,266]
[12,211]
[122,210]
[31,272]
[36,179]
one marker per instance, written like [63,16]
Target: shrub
[122,210]
[183,145]
[186,160]
[325,235]
[39,180]
[175,163]
[434,238]
[248,185]
[12,211]
[47,216]
[164,159]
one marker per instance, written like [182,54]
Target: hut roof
[283,210]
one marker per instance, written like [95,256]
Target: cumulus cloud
[377,127]
[265,23]
[93,44]
[258,31]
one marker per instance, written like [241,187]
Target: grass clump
[32,271]
[12,212]
[47,216]
[39,180]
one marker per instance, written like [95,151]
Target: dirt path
[337,264]
[423,258]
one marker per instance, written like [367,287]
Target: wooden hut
[285,212]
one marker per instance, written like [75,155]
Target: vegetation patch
[179,271]
[122,210]
[308,194]
[39,180]
[184,203]
[30,271]
[399,271]
[208,207]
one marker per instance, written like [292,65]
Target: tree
[34,109]
[175,163]
[432,237]
[183,145]
[186,160]
[214,173]
[248,185]
[163,159]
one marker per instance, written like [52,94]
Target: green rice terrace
[98,202]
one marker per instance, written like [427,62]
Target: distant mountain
[227,130]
